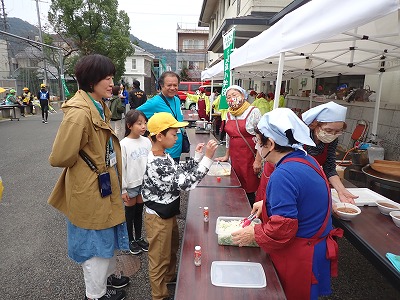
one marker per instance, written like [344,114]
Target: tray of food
[365,196]
[220,169]
[226,225]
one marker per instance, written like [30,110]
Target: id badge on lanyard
[113,159]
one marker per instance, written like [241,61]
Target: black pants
[44,105]
[134,218]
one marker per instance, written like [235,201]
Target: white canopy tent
[324,39]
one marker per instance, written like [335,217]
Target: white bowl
[395,217]
[347,216]
[385,209]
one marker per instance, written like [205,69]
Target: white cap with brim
[275,123]
[328,112]
[238,88]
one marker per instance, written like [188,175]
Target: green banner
[228,40]
[66,91]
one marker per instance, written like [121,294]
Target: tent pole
[376,110]
[211,99]
[312,88]
[279,79]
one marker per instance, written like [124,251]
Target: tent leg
[279,79]
[374,130]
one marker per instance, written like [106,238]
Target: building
[139,66]
[191,57]
[4,60]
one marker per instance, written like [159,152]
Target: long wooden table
[211,181]
[373,234]
[195,282]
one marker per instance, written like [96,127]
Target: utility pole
[5,27]
[41,40]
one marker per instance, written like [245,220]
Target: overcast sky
[153,21]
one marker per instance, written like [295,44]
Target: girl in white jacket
[134,149]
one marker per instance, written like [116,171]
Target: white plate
[238,274]
[365,196]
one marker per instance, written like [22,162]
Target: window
[182,64]
[222,9]
[193,44]
[238,7]
[133,67]
[196,65]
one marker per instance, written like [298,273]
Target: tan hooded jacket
[76,193]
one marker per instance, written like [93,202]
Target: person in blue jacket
[167,101]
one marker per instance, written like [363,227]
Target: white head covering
[239,88]
[274,124]
[328,112]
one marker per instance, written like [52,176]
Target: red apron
[242,156]
[321,158]
[294,262]
[262,188]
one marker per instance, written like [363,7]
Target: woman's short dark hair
[131,117]
[166,74]
[91,69]
[115,90]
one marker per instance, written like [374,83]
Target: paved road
[33,255]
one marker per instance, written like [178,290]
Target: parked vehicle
[188,87]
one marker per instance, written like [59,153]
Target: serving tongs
[247,221]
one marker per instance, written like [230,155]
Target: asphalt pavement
[33,254]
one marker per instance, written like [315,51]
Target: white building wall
[4,65]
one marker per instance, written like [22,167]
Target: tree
[92,26]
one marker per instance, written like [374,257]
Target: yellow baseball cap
[42,85]
[25,89]
[161,121]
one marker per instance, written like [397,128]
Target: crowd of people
[28,101]
[109,181]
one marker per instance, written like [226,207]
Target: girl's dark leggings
[134,219]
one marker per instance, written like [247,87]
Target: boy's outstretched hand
[211,147]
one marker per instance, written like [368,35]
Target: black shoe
[112,294]
[117,281]
[143,244]
[42,120]
[134,248]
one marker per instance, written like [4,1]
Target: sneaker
[112,294]
[143,244]
[45,122]
[42,120]
[134,248]
[117,281]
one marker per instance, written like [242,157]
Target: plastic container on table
[238,274]
[375,152]
[226,225]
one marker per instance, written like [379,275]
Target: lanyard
[101,112]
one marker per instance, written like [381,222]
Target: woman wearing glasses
[327,122]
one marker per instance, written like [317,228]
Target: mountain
[24,29]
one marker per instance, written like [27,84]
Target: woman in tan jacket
[95,218]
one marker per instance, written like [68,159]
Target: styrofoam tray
[238,274]
[365,196]
[220,169]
